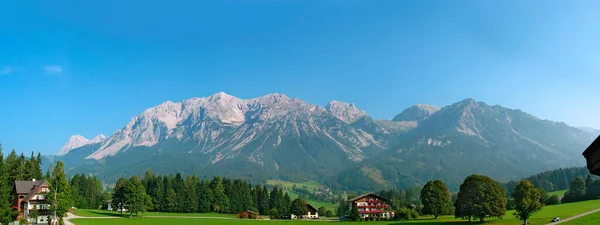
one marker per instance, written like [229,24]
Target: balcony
[373,206]
[371,212]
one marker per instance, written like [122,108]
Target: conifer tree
[60,193]
[6,212]
[118,197]
[220,200]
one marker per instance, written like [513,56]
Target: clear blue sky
[87,67]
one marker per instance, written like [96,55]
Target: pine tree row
[190,194]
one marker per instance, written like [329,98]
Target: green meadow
[559,193]
[104,213]
[310,185]
[593,218]
[548,212]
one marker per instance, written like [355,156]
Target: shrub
[273,213]
[406,214]
[329,213]
[553,200]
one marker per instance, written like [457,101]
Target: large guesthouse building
[32,196]
[371,206]
[592,156]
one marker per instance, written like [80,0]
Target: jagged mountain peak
[225,118]
[222,96]
[77,141]
[98,138]
[274,96]
[346,112]
[416,113]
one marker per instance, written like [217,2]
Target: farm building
[312,213]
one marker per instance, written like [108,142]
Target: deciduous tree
[435,197]
[527,200]
[576,190]
[322,210]
[480,196]
[298,207]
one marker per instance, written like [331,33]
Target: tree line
[87,192]
[552,180]
[14,167]
[581,190]
[190,194]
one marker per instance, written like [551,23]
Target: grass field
[559,193]
[563,211]
[316,204]
[104,213]
[310,185]
[593,218]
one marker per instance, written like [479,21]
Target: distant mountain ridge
[416,113]
[590,130]
[275,136]
[77,141]
[470,137]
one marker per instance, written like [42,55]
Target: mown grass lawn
[563,211]
[104,213]
[593,218]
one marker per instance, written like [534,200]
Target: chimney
[33,179]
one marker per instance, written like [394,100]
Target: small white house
[311,214]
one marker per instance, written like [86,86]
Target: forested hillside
[552,180]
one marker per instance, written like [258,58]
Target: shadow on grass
[435,222]
[107,213]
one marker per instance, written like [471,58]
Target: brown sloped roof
[594,145]
[24,186]
[310,207]
[29,187]
[365,195]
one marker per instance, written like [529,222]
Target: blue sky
[87,67]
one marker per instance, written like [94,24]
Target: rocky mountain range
[278,137]
[77,141]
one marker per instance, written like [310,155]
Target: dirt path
[576,216]
[70,216]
